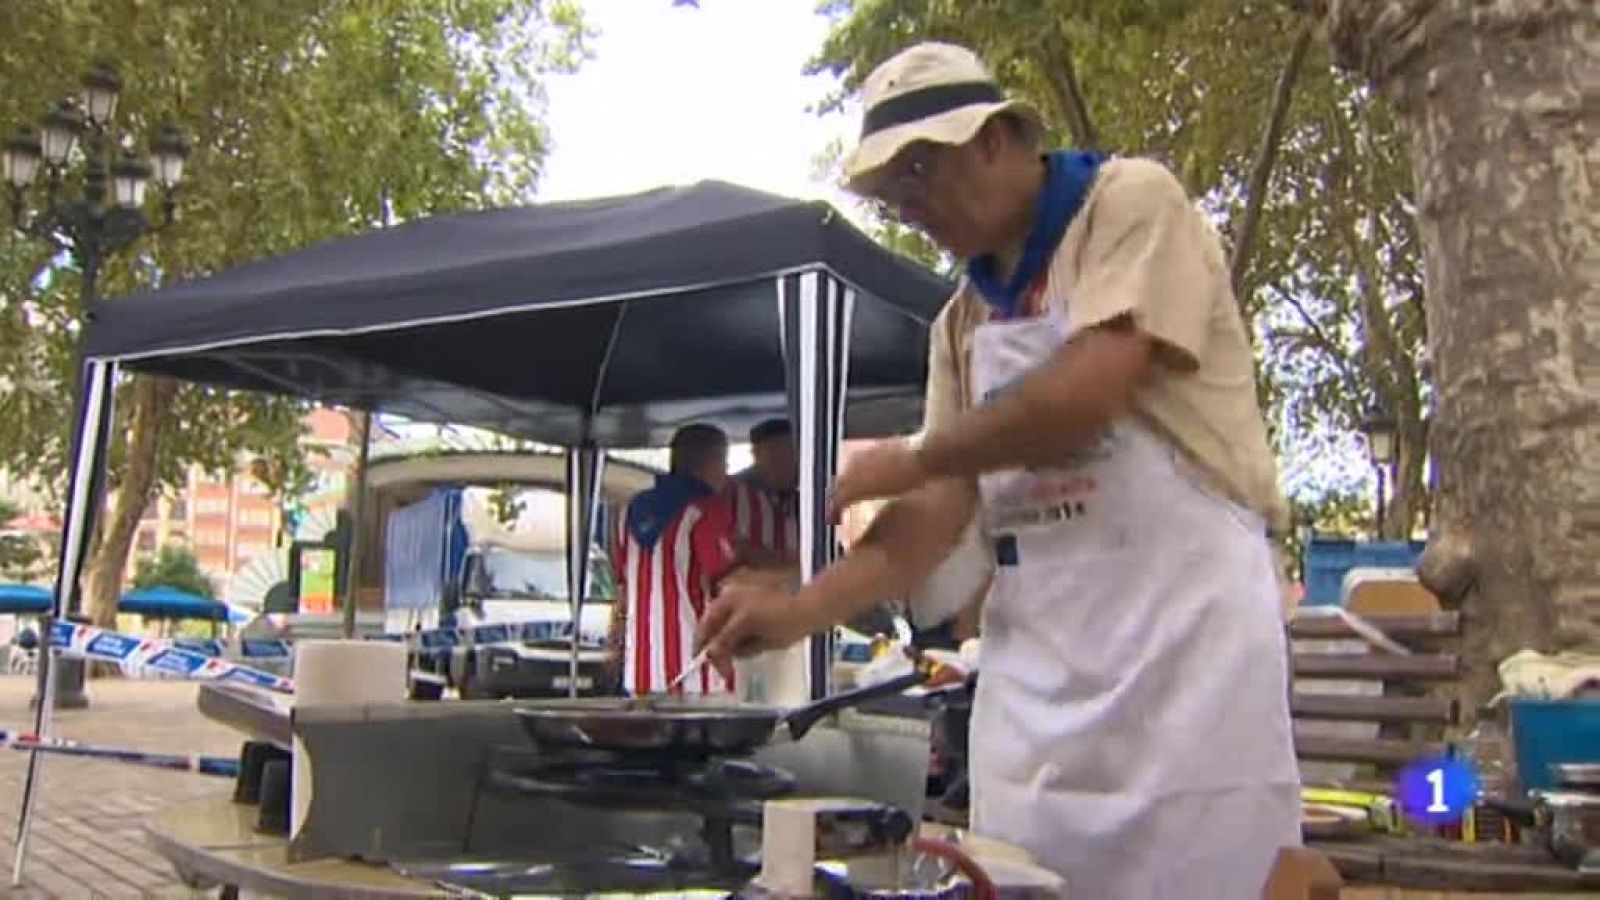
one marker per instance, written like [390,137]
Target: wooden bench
[1414,711]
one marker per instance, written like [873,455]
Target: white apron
[1131,727]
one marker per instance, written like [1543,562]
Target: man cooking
[675,544]
[1091,399]
[766,511]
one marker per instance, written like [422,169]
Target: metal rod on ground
[358,515]
[222,767]
[51,658]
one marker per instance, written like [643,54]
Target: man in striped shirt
[763,498]
[676,543]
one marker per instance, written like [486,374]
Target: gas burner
[718,788]
[724,793]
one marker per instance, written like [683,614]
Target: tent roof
[638,313]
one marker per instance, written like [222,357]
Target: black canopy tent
[603,323]
[545,322]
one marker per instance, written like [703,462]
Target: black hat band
[927,102]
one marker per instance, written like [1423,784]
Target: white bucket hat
[927,92]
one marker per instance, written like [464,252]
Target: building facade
[227,519]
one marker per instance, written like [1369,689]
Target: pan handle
[800,721]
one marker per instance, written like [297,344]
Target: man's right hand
[751,616]
[754,612]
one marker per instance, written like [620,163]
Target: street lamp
[19,163]
[101,88]
[106,214]
[60,127]
[1380,429]
[92,217]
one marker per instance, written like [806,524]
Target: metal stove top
[425,782]
[639,873]
[723,796]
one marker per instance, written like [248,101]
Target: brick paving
[87,840]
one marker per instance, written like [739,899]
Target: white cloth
[415,545]
[1131,728]
[955,583]
[1530,674]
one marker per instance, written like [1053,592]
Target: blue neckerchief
[652,510]
[1069,174]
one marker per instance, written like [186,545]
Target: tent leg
[358,515]
[813,308]
[833,384]
[84,487]
[585,465]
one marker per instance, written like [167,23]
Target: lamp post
[87,188]
[1380,429]
[106,212]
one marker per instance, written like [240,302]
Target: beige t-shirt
[1139,248]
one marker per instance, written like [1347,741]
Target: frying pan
[687,726]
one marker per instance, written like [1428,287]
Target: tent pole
[85,485]
[806,312]
[591,512]
[358,516]
[843,321]
[832,343]
[585,466]
[574,490]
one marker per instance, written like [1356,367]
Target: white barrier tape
[93,643]
[434,641]
[438,640]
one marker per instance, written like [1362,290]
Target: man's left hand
[888,469]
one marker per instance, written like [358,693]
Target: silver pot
[1570,822]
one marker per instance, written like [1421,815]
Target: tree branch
[1266,158]
[1332,348]
[1063,80]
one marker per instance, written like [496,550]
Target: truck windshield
[540,576]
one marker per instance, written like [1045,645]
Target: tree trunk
[1407,489]
[1500,103]
[147,422]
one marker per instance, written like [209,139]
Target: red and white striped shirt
[763,519]
[668,587]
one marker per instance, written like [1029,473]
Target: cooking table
[214,842]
